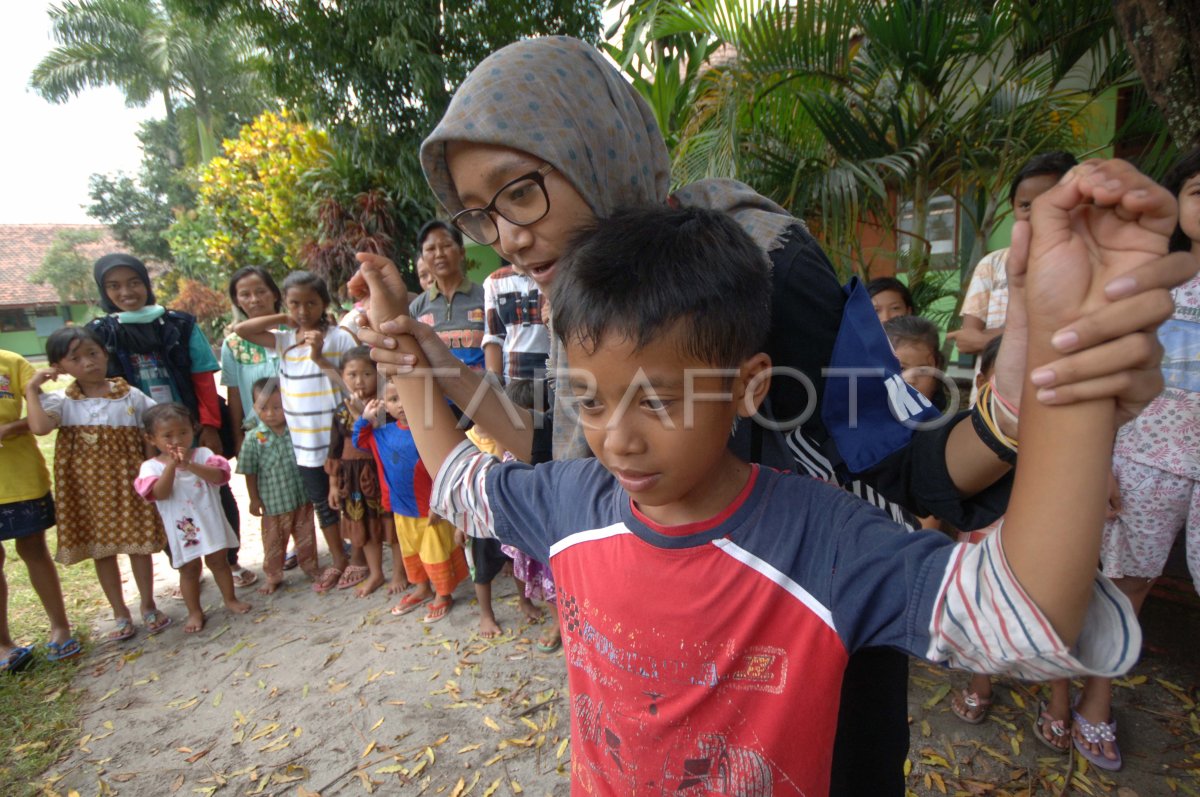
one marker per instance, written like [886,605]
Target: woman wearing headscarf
[544,136]
[165,355]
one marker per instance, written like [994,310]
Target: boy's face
[1028,190]
[391,403]
[125,289]
[269,406]
[889,304]
[919,367]
[1189,209]
[661,426]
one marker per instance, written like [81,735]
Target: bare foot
[238,607]
[269,587]
[488,628]
[533,613]
[370,585]
[398,585]
[193,623]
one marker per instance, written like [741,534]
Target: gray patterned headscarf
[559,100]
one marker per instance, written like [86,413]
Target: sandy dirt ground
[331,695]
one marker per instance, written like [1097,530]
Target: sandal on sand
[438,611]
[352,576]
[327,581]
[1097,733]
[1059,729]
[66,650]
[290,561]
[156,622]
[18,659]
[124,630]
[965,704]
[549,647]
[409,603]
[243,577]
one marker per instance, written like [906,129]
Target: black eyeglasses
[522,202]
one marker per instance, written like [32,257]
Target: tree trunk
[1163,36]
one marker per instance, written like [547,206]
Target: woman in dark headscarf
[545,135]
[164,354]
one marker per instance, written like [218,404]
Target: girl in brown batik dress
[97,454]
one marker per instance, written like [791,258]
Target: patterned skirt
[99,514]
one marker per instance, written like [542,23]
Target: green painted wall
[29,344]
[483,260]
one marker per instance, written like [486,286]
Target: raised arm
[483,401]
[258,330]
[39,421]
[433,425]
[1105,220]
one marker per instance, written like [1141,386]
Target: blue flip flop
[18,659]
[61,652]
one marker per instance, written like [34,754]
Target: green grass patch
[39,719]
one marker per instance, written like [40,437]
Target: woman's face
[254,297]
[124,288]
[443,255]
[480,170]
[1189,210]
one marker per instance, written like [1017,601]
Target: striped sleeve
[984,621]
[459,493]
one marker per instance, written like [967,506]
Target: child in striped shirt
[310,349]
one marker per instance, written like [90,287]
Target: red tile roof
[22,247]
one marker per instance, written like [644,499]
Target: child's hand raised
[1103,220]
[179,456]
[43,376]
[315,339]
[371,412]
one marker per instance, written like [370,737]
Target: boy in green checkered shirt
[268,462]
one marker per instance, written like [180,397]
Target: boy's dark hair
[1056,163]
[307,279]
[58,345]
[261,273]
[987,358]
[161,413]
[881,284]
[263,383]
[642,270]
[356,353]
[1184,169]
[521,392]
[438,224]
[914,329]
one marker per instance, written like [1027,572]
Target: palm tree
[835,108]
[207,74]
